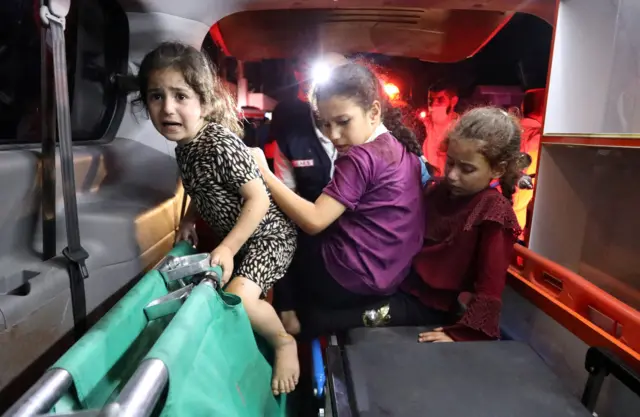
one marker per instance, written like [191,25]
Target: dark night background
[517,56]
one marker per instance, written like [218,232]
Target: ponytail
[513,172]
[392,119]
[508,185]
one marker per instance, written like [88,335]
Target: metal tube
[168,304]
[84,413]
[210,282]
[42,395]
[141,394]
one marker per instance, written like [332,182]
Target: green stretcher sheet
[215,365]
[208,348]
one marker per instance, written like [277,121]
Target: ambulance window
[96,38]
[225,65]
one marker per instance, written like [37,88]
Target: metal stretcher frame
[138,398]
[140,395]
[337,399]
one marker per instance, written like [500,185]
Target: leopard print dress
[213,167]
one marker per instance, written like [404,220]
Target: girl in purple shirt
[368,223]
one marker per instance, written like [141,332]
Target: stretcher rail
[592,314]
[140,395]
[138,398]
[42,395]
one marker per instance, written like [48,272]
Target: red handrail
[592,314]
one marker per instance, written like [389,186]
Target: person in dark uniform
[304,158]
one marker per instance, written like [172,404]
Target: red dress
[468,247]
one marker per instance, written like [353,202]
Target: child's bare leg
[290,322]
[265,321]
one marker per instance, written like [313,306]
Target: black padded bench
[384,372]
[385,334]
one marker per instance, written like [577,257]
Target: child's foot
[290,322]
[286,369]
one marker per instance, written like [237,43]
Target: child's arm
[191,213]
[481,318]
[255,207]
[312,218]
[239,172]
[351,176]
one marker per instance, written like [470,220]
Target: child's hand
[261,160]
[223,257]
[436,336]
[187,231]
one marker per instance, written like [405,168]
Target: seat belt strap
[48,128]
[53,15]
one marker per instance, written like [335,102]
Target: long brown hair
[199,73]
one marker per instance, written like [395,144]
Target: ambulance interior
[129,195]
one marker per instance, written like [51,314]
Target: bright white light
[320,73]
[392,90]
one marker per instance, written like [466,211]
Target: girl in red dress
[470,231]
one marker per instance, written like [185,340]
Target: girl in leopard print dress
[188,105]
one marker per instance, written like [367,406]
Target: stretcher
[379,372]
[176,344]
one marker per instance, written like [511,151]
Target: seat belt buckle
[78,257]
[47,17]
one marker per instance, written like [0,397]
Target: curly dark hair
[358,82]
[498,133]
[199,73]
